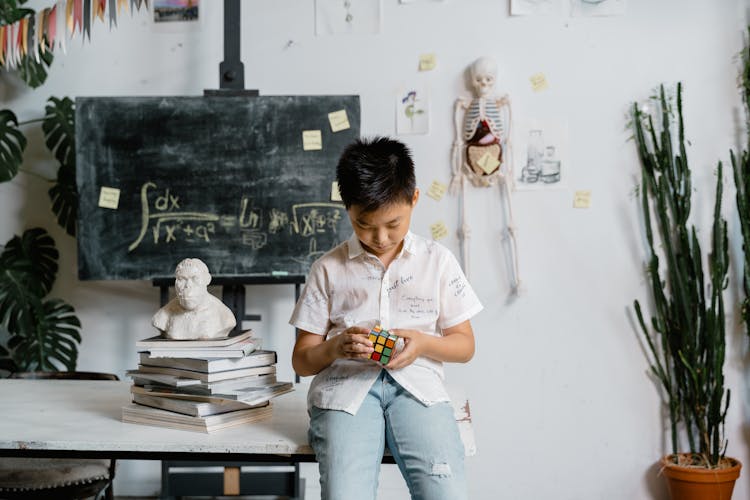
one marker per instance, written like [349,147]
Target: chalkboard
[223,179]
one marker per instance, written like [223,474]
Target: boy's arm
[312,353]
[456,345]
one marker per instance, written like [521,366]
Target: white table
[82,419]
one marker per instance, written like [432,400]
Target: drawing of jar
[550,171]
[535,150]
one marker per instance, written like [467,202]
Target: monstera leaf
[43,333]
[64,196]
[49,339]
[34,72]
[59,128]
[12,144]
[10,11]
[59,135]
[32,258]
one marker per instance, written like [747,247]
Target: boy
[411,286]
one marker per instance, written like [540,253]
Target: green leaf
[10,11]
[32,259]
[50,340]
[12,145]
[35,73]
[64,196]
[59,129]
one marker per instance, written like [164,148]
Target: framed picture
[541,154]
[176,16]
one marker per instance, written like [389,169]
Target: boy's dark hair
[376,172]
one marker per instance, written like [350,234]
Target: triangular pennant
[121,5]
[8,42]
[25,36]
[2,45]
[98,10]
[14,44]
[44,34]
[112,13]
[78,15]
[87,19]
[51,27]
[40,32]
[19,40]
[62,26]
[34,37]
[69,21]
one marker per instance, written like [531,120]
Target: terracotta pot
[697,483]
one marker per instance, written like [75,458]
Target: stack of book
[202,385]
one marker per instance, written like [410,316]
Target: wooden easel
[229,479]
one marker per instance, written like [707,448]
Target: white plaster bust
[194,314]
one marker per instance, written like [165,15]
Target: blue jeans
[424,441]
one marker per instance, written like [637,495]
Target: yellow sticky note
[109,197]
[339,120]
[582,199]
[312,140]
[488,163]
[538,82]
[438,230]
[335,194]
[437,190]
[427,62]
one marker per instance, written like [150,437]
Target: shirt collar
[355,247]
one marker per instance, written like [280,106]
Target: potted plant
[686,335]
[37,332]
[42,332]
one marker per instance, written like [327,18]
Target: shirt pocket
[349,308]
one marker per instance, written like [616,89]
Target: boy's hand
[352,343]
[413,347]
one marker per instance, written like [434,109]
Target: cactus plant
[686,335]
[741,169]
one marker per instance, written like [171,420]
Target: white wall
[561,402]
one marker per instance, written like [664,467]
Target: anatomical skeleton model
[481,152]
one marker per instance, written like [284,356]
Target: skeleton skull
[483,73]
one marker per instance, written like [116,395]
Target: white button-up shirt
[423,289]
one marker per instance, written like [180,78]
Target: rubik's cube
[384,342]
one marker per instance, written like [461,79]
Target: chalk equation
[165,221]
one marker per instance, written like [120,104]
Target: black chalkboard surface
[223,179]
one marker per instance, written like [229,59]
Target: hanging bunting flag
[87,19]
[112,13]
[61,27]
[19,40]
[69,22]
[2,45]
[43,26]
[50,27]
[98,10]
[39,32]
[47,29]
[13,44]
[33,36]
[78,16]
[24,36]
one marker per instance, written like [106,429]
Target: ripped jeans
[424,441]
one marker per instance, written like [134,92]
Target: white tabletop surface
[85,416]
